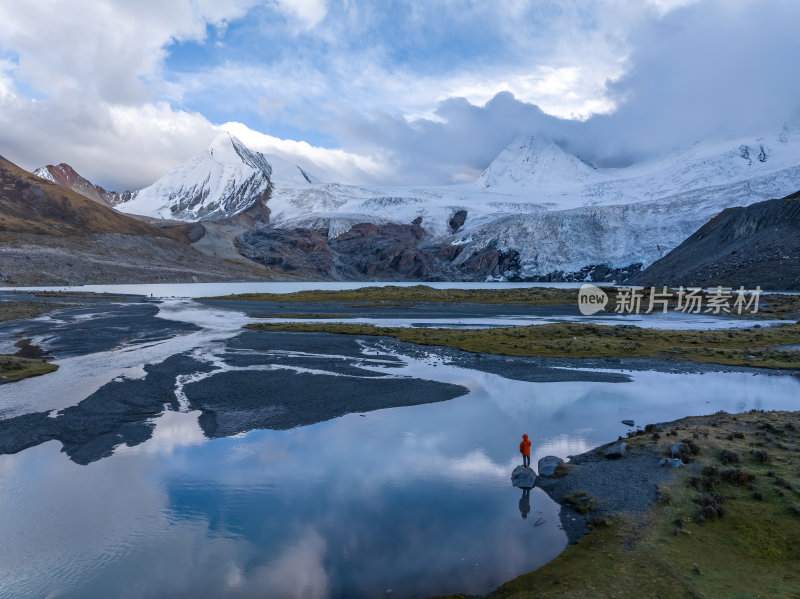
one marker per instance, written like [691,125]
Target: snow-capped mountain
[533,161]
[553,212]
[636,214]
[225,180]
[559,213]
[65,175]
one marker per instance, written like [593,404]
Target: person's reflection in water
[525,503]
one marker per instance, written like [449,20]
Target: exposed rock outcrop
[296,250]
[374,251]
[457,220]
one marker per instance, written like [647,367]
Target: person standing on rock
[525,450]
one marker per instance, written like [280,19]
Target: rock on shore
[522,477]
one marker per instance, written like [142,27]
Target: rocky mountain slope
[29,204]
[755,245]
[51,235]
[65,175]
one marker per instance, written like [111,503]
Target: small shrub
[596,521]
[735,476]
[561,470]
[582,502]
[694,448]
[761,456]
[727,456]
[710,507]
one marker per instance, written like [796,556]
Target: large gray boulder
[523,477]
[616,451]
[547,465]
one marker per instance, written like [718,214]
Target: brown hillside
[29,204]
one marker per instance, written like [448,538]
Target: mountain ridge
[576,220]
[66,176]
[756,245]
[52,235]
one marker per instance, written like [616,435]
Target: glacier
[559,213]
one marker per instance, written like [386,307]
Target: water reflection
[414,499]
[263,511]
[525,503]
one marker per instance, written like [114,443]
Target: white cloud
[99,110]
[665,6]
[306,13]
[129,147]
[111,50]
[572,92]
[334,165]
[7,87]
[608,78]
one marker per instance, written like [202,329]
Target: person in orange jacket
[525,450]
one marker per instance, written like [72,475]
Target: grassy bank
[417,293]
[747,347]
[15,368]
[771,305]
[727,524]
[17,310]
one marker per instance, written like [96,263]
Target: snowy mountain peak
[44,173]
[224,180]
[229,151]
[536,161]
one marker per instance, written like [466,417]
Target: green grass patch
[299,316]
[743,347]
[14,368]
[581,501]
[14,310]
[392,294]
[771,305]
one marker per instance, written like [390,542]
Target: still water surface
[416,500]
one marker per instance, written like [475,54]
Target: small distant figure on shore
[525,450]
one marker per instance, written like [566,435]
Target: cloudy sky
[394,91]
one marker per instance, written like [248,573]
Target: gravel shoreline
[628,484]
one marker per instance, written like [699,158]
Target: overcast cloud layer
[398,91]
